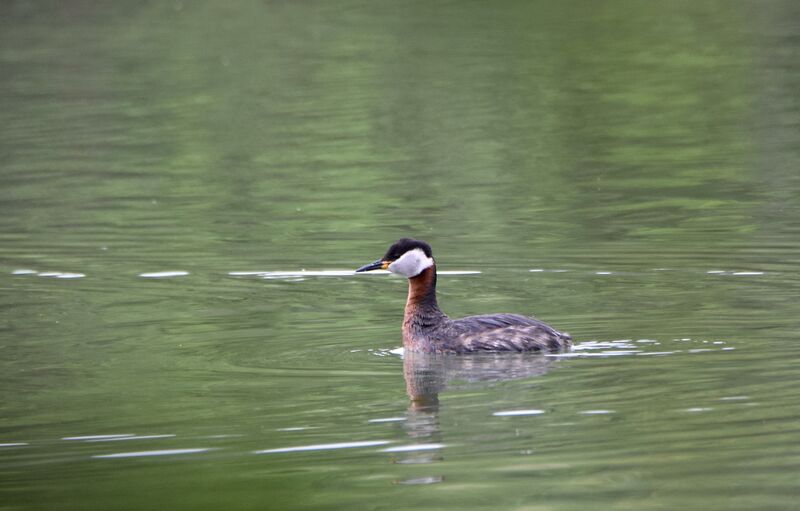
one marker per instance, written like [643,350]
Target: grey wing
[508,332]
[492,321]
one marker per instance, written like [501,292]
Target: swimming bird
[427,329]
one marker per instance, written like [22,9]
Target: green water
[629,172]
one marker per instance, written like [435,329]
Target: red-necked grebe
[427,329]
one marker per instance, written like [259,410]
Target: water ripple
[301,274]
[98,437]
[324,447]
[414,447]
[163,274]
[163,452]
[517,413]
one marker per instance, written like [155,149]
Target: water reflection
[427,375]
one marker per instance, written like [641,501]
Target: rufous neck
[422,290]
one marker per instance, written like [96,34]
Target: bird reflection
[427,375]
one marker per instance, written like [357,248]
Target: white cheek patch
[412,263]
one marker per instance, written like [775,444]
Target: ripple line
[324,447]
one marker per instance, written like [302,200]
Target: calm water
[627,172]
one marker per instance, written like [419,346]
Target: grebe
[427,329]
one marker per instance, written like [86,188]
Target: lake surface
[185,188]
